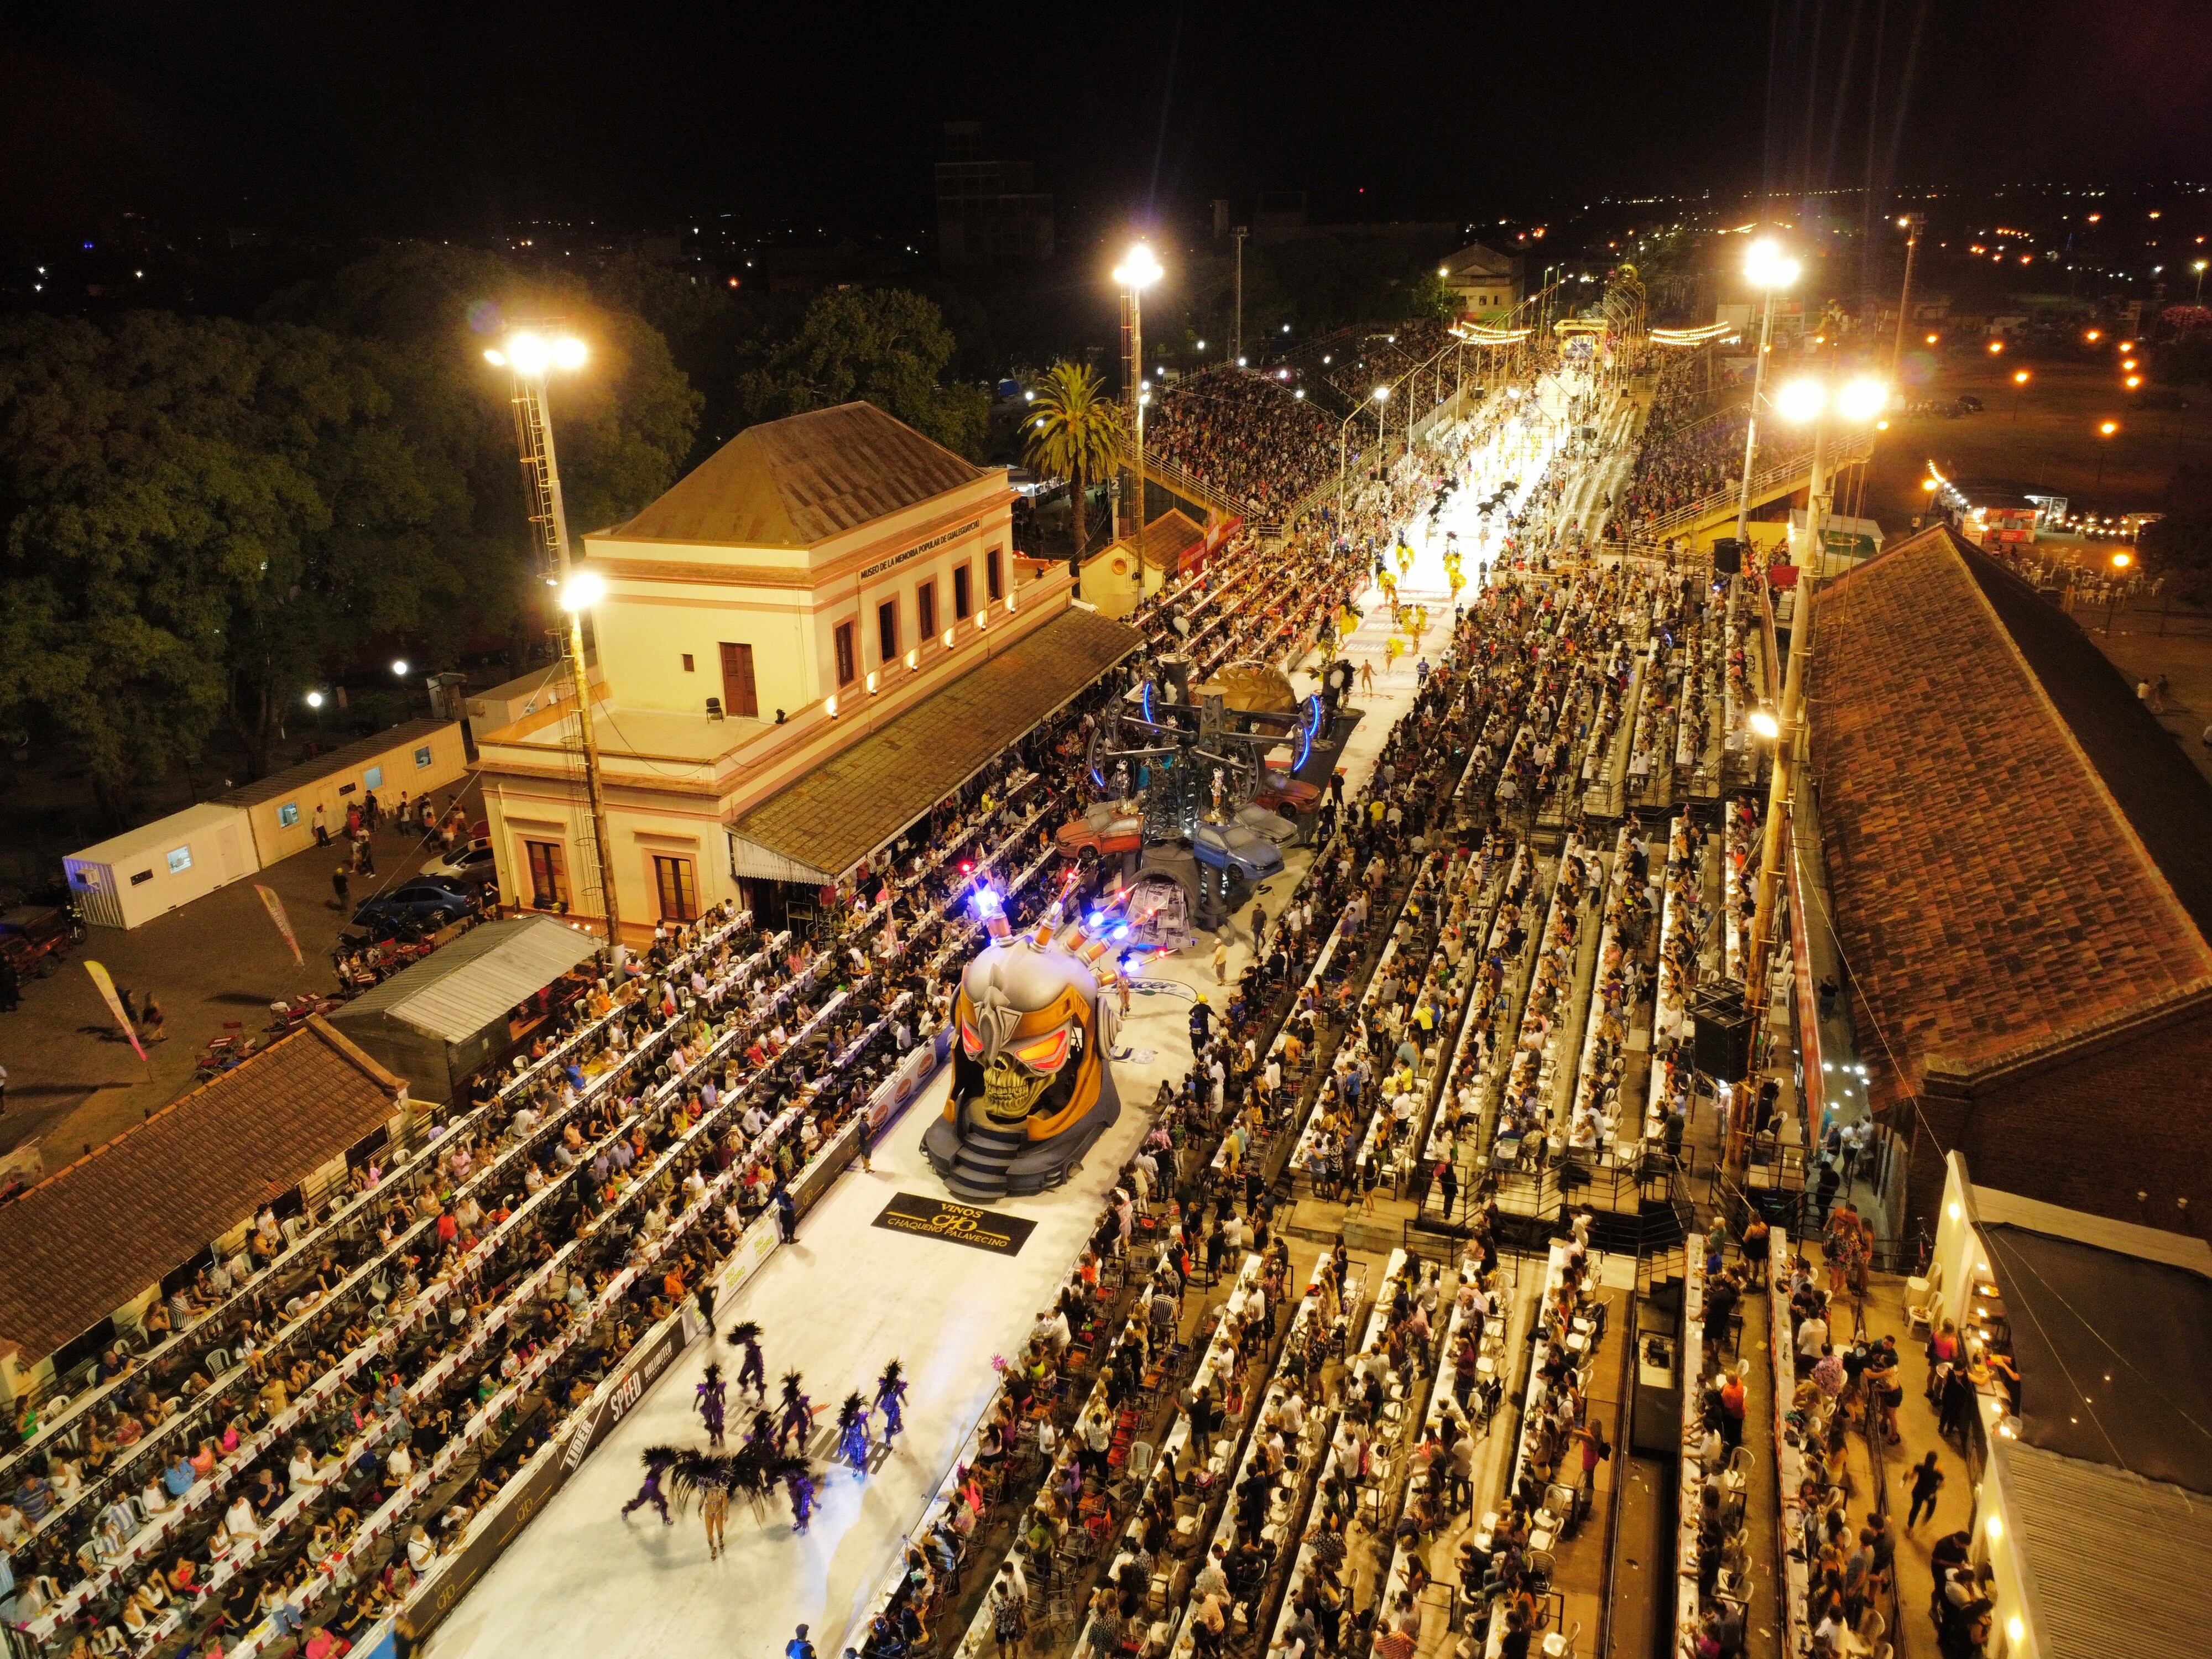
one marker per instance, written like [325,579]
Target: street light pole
[1237,335]
[1859,401]
[1137,271]
[1770,269]
[1913,223]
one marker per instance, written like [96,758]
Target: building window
[679,894]
[994,584]
[738,697]
[374,777]
[181,861]
[287,815]
[925,611]
[849,669]
[887,645]
[963,600]
[422,758]
[548,883]
[688,668]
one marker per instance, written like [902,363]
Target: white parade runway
[583,1582]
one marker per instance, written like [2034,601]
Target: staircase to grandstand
[1701,520]
[1158,470]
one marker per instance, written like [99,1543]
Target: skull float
[1031,1086]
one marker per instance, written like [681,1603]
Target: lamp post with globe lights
[1138,271]
[1856,402]
[1770,270]
[1380,396]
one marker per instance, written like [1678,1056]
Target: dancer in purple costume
[657,1460]
[708,1401]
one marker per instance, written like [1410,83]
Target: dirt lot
[72,1079]
[2040,437]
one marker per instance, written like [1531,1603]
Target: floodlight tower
[530,353]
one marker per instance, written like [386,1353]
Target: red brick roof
[800,480]
[92,1235]
[1991,899]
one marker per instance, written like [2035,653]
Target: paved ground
[72,1080]
[2042,437]
[2146,643]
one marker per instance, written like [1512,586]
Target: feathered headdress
[790,1394]
[657,1458]
[744,1333]
[894,1373]
[852,1410]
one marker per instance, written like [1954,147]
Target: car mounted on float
[1192,817]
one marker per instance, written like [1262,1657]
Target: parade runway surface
[583,1582]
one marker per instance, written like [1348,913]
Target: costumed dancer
[797,1417]
[853,1432]
[890,1399]
[658,1460]
[752,1376]
[799,1484]
[708,1400]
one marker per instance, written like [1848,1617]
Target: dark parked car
[419,903]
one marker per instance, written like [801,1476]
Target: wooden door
[738,697]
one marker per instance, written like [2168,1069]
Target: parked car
[419,903]
[471,864]
[36,938]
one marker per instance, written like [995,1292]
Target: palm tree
[1072,431]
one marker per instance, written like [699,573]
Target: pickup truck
[35,938]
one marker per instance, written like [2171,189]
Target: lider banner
[956,1224]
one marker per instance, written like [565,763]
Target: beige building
[803,646]
[1482,280]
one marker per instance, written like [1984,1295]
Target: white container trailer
[148,872]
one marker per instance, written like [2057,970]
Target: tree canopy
[887,346]
[201,518]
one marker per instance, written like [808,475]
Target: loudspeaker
[1720,1045]
[1727,556]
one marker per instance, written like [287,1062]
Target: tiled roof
[847,807]
[1991,899]
[92,1235]
[799,481]
[1169,538]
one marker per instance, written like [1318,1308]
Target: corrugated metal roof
[852,804]
[2116,1566]
[476,980]
[346,758]
[800,480]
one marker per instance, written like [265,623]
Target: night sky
[393,117]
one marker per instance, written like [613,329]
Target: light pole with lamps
[1380,396]
[531,356]
[1856,402]
[2121,561]
[1138,271]
[1769,268]
[2199,269]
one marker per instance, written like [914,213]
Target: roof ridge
[1956,546]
